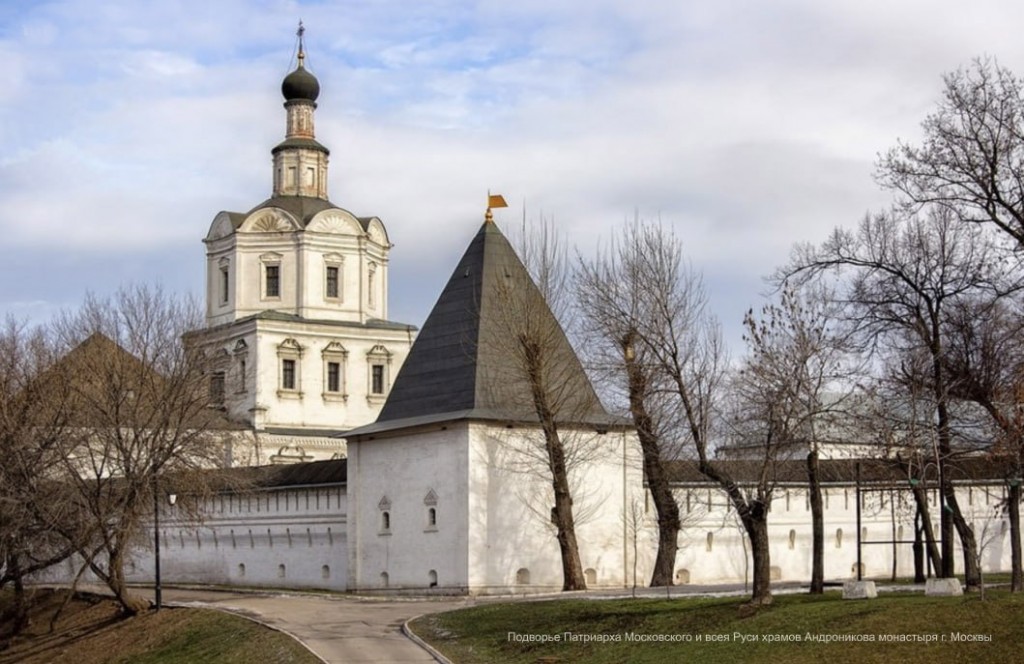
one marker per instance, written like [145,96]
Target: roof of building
[843,471]
[466,362]
[98,370]
[277,476]
[303,208]
[300,84]
[682,473]
[300,142]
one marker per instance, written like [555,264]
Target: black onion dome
[300,84]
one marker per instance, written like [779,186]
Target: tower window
[334,355]
[334,376]
[332,281]
[273,281]
[371,286]
[288,374]
[224,285]
[217,388]
[378,361]
[377,379]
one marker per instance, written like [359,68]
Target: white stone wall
[723,559]
[513,545]
[257,397]
[492,503]
[284,538]
[406,477]
[333,237]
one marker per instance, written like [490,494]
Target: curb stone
[411,635]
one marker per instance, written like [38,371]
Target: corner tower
[297,327]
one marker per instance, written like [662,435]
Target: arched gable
[335,221]
[376,231]
[222,226]
[269,220]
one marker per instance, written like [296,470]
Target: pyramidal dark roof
[467,362]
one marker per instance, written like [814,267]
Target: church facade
[298,338]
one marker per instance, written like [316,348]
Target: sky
[744,126]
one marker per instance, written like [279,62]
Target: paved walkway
[358,630]
[338,629]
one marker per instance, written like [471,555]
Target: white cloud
[746,125]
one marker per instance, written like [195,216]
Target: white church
[401,462]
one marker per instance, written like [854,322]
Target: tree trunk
[572,569]
[817,525]
[114,578]
[18,615]
[756,524]
[654,471]
[1013,513]
[561,513]
[972,567]
[921,498]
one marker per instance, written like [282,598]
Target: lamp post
[171,499]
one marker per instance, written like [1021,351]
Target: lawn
[91,631]
[900,627]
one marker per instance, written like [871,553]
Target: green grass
[91,631]
[481,634]
[212,636]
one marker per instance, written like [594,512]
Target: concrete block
[859,590]
[943,587]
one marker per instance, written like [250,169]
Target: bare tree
[680,341]
[898,419]
[613,293]
[986,362]
[33,501]
[904,273]
[541,374]
[971,160]
[795,383]
[139,413]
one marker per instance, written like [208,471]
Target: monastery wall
[713,549]
[279,538]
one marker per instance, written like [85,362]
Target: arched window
[384,579]
[430,500]
[839,538]
[792,540]
[590,574]
[522,576]
[280,571]
[384,505]
[241,570]
[432,578]
[710,541]
[325,572]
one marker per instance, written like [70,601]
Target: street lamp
[171,499]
